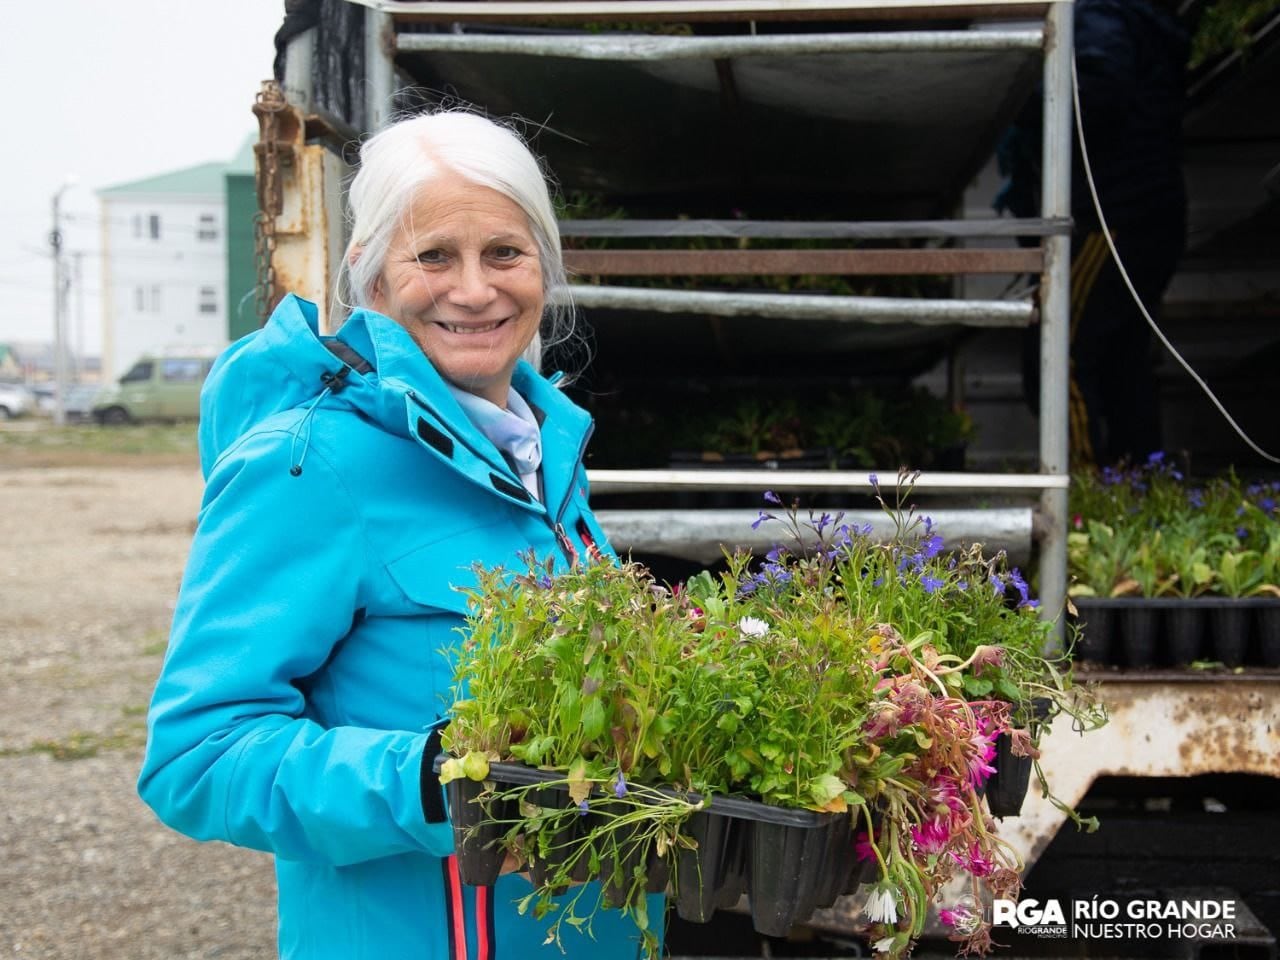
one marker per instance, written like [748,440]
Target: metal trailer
[1173,724]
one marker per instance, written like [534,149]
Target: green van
[155,388]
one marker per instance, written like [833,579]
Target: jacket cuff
[433,808]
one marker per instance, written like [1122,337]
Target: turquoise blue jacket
[347,498]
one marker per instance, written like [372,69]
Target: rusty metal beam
[648,263]
[822,229]
[691,10]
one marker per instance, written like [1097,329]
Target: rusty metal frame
[822,229]
[648,263]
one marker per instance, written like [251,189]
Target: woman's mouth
[473,328]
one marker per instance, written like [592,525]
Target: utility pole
[59,301]
[77,355]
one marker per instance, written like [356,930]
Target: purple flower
[932,546]
[930,584]
[761,519]
[583,809]
[620,788]
[1019,584]
[1156,458]
[771,497]
[1195,498]
[875,481]
[1267,504]
[962,585]
[544,581]
[997,584]
[928,525]
[1241,533]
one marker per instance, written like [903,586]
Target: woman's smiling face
[463,276]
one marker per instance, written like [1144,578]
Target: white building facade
[164,266]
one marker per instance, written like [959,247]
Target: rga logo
[1027,913]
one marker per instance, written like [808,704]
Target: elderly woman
[351,484]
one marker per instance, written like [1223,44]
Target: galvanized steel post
[1055,307]
[380,68]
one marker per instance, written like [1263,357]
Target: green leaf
[977,686]
[826,788]
[592,718]
[475,765]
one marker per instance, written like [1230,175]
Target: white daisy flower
[883,945]
[753,627]
[882,905]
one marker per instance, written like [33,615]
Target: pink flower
[944,795]
[863,849]
[932,835]
[975,861]
[982,750]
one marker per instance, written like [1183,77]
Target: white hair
[403,158]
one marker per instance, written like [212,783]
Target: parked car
[15,400]
[155,388]
[77,400]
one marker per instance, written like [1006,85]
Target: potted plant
[819,721]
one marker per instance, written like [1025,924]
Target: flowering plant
[863,679]
[1147,531]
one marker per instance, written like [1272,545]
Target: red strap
[457,915]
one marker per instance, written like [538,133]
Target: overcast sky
[111,91]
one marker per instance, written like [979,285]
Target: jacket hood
[374,367]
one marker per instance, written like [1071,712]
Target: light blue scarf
[514,431]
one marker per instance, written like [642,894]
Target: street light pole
[59,300]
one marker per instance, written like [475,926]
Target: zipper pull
[570,551]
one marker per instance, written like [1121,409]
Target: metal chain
[267,106]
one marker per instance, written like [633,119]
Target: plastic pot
[1184,629]
[1138,632]
[558,846]
[1007,787]
[478,831]
[841,862]
[1267,625]
[703,872]
[786,863]
[1229,631]
[1097,621]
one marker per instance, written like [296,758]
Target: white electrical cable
[1115,254]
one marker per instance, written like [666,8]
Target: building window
[153,226]
[155,299]
[207,227]
[139,299]
[208,300]
[137,226]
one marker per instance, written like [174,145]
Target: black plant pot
[1007,787]
[786,863]
[1229,631]
[477,831]
[552,852]
[1097,620]
[1267,624]
[1139,623]
[702,873]
[841,862]
[1184,629]
[626,850]
[734,885]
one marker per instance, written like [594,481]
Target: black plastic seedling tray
[788,861]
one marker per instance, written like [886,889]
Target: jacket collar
[414,401]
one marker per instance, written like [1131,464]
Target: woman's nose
[471,288]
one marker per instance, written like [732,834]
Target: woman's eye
[504,253]
[432,256]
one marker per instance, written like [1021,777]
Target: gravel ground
[92,563]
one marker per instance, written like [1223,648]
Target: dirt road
[91,562]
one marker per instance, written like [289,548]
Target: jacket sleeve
[275,576]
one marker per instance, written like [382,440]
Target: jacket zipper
[557,525]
